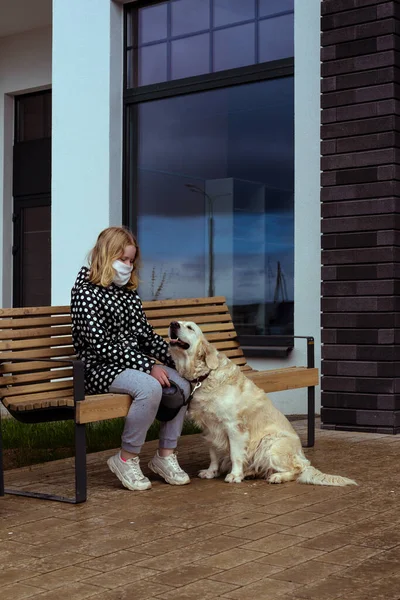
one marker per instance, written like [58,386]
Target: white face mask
[122,272]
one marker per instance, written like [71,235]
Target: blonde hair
[110,246]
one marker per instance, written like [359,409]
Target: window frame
[261,345]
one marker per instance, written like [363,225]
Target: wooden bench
[42,381]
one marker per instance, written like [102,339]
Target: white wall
[307,271]
[25,66]
[87,132]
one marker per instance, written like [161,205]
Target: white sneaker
[129,472]
[169,469]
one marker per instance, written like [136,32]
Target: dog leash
[196,383]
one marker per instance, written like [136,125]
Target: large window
[181,38]
[209,159]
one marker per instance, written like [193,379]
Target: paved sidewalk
[207,540]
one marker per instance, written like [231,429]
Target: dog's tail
[313,476]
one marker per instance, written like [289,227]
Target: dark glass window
[268,8]
[152,65]
[33,117]
[189,16]
[234,47]
[31,200]
[153,23]
[184,38]
[209,154]
[276,37]
[227,12]
[225,155]
[190,56]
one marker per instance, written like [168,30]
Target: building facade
[198,124]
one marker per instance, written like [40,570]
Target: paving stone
[143,589]
[121,576]
[297,517]
[203,589]
[307,572]
[348,555]
[18,591]
[9,576]
[61,577]
[74,591]
[243,520]
[331,588]
[246,574]
[265,589]
[257,531]
[230,558]
[273,543]
[186,574]
[289,557]
[112,561]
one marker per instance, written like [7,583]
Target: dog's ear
[210,356]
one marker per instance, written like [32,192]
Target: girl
[112,336]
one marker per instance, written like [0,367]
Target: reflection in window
[276,37]
[194,37]
[234,47]
[153,23]
[227,12]
[273,7]
[189,16]
[152,64]
[190,56]
[223,157]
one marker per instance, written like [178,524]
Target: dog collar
[196,384]
[199,379]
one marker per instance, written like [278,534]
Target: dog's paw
[208,473]
[232,478]
[275,478]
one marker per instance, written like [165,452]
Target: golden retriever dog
[247,435]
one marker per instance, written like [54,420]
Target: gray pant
[146,394]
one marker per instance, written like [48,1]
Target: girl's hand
[161,375]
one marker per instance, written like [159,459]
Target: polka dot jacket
[110,333]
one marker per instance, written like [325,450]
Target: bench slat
[160,313]
[29,366]
[43,353]
[236,352]
[35,376]
[165,322]
[62,340]
[34,310]
[20,334]
[239,361]
[21,401]
[31,403]
[148,305]
[21,390]
[284,379]
[34,322]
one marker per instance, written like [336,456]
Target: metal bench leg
[80,474]
[310,396]
[310,417]
[80,464]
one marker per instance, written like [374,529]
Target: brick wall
[360,163]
